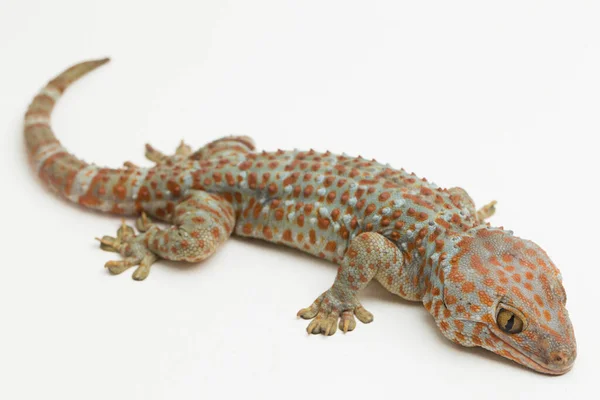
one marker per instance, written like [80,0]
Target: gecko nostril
[558,357]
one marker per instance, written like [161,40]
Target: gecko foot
[134,252]
[331,307]
[487,211]
[183,151]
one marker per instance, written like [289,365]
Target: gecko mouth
[531,361]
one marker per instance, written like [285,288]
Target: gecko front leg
[201,223]
[366,255]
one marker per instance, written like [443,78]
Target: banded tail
[104,189]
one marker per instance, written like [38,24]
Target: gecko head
[504,294]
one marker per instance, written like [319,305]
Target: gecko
[483,286]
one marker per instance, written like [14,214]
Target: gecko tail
[65,174]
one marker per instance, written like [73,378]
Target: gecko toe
[324,323]
[363,315]
[347,322]
[326,317]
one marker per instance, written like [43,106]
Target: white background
[501,98]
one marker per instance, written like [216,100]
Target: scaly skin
[483,286]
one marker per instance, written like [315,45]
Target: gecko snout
[561,360]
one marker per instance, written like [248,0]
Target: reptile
[483,286]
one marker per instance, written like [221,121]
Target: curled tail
[104,189]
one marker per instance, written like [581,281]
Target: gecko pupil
[510,323]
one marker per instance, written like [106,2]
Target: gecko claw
[347,322]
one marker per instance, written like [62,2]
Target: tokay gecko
[482,285]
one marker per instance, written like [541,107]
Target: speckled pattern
[484,286]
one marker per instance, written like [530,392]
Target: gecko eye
[509,321]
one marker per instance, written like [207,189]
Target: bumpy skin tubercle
[483,286]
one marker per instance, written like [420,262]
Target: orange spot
[287,235]
[468,287]
[384,196]
[331,197]
[450,299]
[538,300]
[477,265]
[143,194]
[455,275]
[120,192]
[267,233]
[279,214]
[444,326]
[485,299]
[528,275]
[426,191]
[312,236]
[527,264]
[174,188]
[308,190]
[323,223]
[488,282]
[335,214]
[331,246]
[519,294]
[459,325]
[436,310]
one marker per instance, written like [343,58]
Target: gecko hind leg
[183,151]
[461,198]
[226,147]
[367,253]
[487,211]
[201,222]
